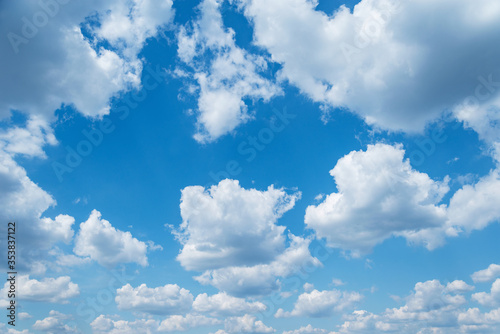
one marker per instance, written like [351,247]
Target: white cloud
[223,305]
[230,233]
[246,324]
[168,299]
[28,140]
[176,323]
[106,325]
[473,207]
[374,60]
[55,324]
[431,308]
[108,246]
[308,287]
[262,279]
[58,65]
[228,225]
[12,331]
[488,274]
[379,195]
[491,299]
[129,28]
[458,286]
[24,316]
[307,330]
[48,290]
[321,304]
[71,260]
[224,81]
[24,202]
[473,319]
[431,295]
[337,282]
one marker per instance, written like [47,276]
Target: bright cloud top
[379,195]
[52,55]
[374,60]
[228,225]
[168,299]
[230,233]
[108,246]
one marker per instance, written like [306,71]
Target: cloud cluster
[168,299]
[48,290]
[55,323]
[319,304]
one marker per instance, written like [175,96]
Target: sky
[251,166]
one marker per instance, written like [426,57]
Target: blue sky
[251,166]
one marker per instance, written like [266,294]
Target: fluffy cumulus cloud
[262,279]
[474,321]
[174,323]
[55,323]
[378,195]
[222,304]
[475,206]
[432,307]
[179,323]
[373,59]
[246,324]
[48,49]
[48,290]
[24,202]
[488,274]
[230,233]
[28,140]
[108,325]
[227,225]
[108,246]
[307,330]
[225,74]
[55,51]
[321,304]
[168,299]
[491,299]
